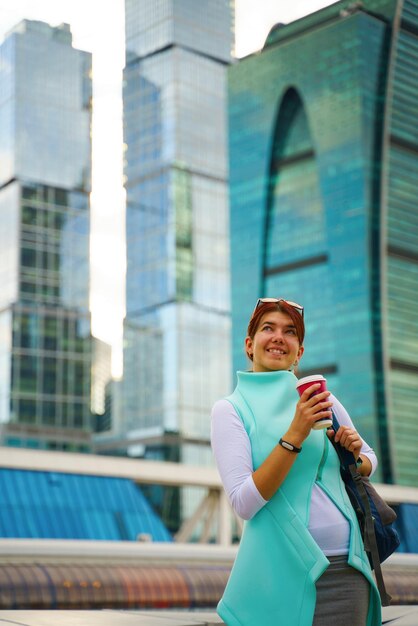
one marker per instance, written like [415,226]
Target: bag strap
[348,462]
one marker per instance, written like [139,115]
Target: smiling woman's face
[275,345]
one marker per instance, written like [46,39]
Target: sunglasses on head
[295,305]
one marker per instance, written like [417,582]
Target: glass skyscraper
[323,169]
[177,329]
[45,343]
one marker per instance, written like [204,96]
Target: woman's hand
[351,440]
[348,438]
[309,409]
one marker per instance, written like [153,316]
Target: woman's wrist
[294,438]
[366,467]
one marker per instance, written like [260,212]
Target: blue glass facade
[323,151]
[45,347]
[399,244]
[177,220]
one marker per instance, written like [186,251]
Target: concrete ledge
[109,618]
[394,615]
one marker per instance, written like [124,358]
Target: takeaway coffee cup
[306,382]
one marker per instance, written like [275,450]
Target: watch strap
[289,446]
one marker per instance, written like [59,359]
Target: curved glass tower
[323,160]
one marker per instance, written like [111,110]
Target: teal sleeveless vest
[272,582]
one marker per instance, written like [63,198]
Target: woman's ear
[298,357]
[249,347]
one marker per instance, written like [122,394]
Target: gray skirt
[342,595]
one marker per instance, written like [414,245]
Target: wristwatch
[289,446]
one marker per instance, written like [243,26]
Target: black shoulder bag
[374,515]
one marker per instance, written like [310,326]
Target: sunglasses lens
[295,305]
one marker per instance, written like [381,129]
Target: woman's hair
[281,307]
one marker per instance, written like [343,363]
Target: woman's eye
[291,331]
[266,327]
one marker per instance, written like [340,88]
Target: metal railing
[213,514]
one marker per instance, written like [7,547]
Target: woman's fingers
[348,438]
[314,408]
[309,399]
[322,406]
[307,394]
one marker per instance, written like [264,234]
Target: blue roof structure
[406,525]
[52,505]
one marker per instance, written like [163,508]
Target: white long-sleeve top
[232,449]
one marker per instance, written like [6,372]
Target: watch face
[289,446]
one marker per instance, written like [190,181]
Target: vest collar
[254,380]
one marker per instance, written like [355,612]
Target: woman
[301,559]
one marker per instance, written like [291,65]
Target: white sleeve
[345,420]
[232,449]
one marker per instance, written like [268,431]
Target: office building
[177,329]
[323,168]
[45,345]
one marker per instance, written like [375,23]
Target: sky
[98,26]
